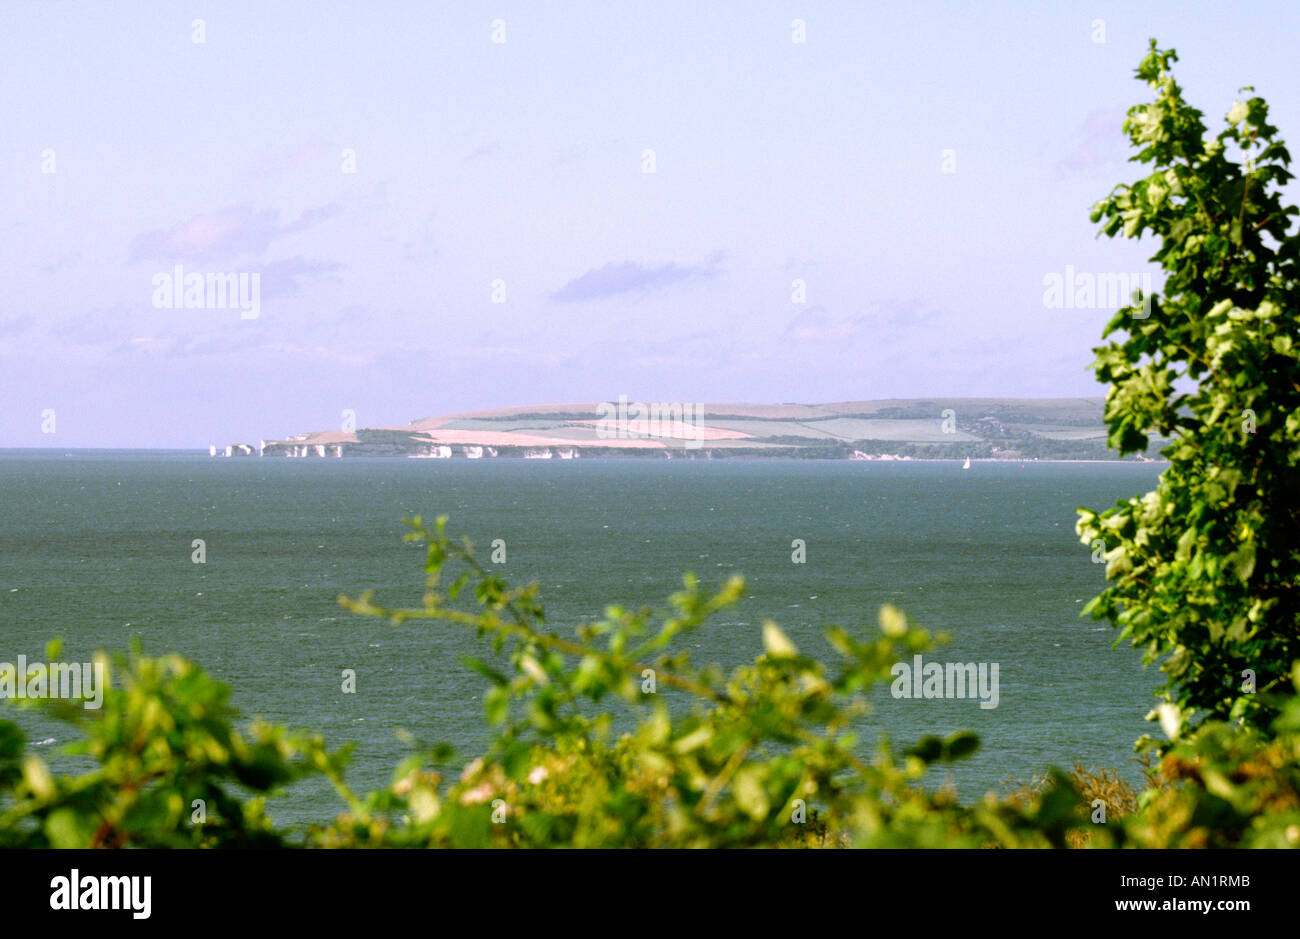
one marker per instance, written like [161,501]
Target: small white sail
[966,465]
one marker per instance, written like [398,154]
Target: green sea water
[95,547]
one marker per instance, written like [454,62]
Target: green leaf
[68,829]
[750,794]
[892,622]
[960,744]
[928,749]
[776,643]
[496,704]
[1244,561]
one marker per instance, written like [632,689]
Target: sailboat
[966,465]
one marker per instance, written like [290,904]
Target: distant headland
[890,429]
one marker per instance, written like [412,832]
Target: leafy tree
[1203,570]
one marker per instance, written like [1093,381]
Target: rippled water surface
[96,547]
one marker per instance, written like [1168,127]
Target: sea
[98,548]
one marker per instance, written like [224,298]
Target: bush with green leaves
[1203,570]
[171,768]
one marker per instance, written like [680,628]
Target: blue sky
[521,163]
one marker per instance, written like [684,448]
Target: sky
[464,205]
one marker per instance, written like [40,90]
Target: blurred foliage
[166,754]
[1202,573]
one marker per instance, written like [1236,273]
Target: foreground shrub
[172,770]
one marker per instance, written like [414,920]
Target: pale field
[845,429]
[489,438]
[919,431]
[469,423]
[1057,432]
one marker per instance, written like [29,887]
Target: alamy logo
[103,892]
[177,290]
[1105,291]
[73,680]
[659,419]
[946,680]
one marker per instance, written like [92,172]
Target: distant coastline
[898,429]
[194,452]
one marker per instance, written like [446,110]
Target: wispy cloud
[16,325]
[236,231]
[816,324]
[285,278]
[1096,143]
[631,277]
[63,262]
[482,151]
[291,159]
[424,245]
